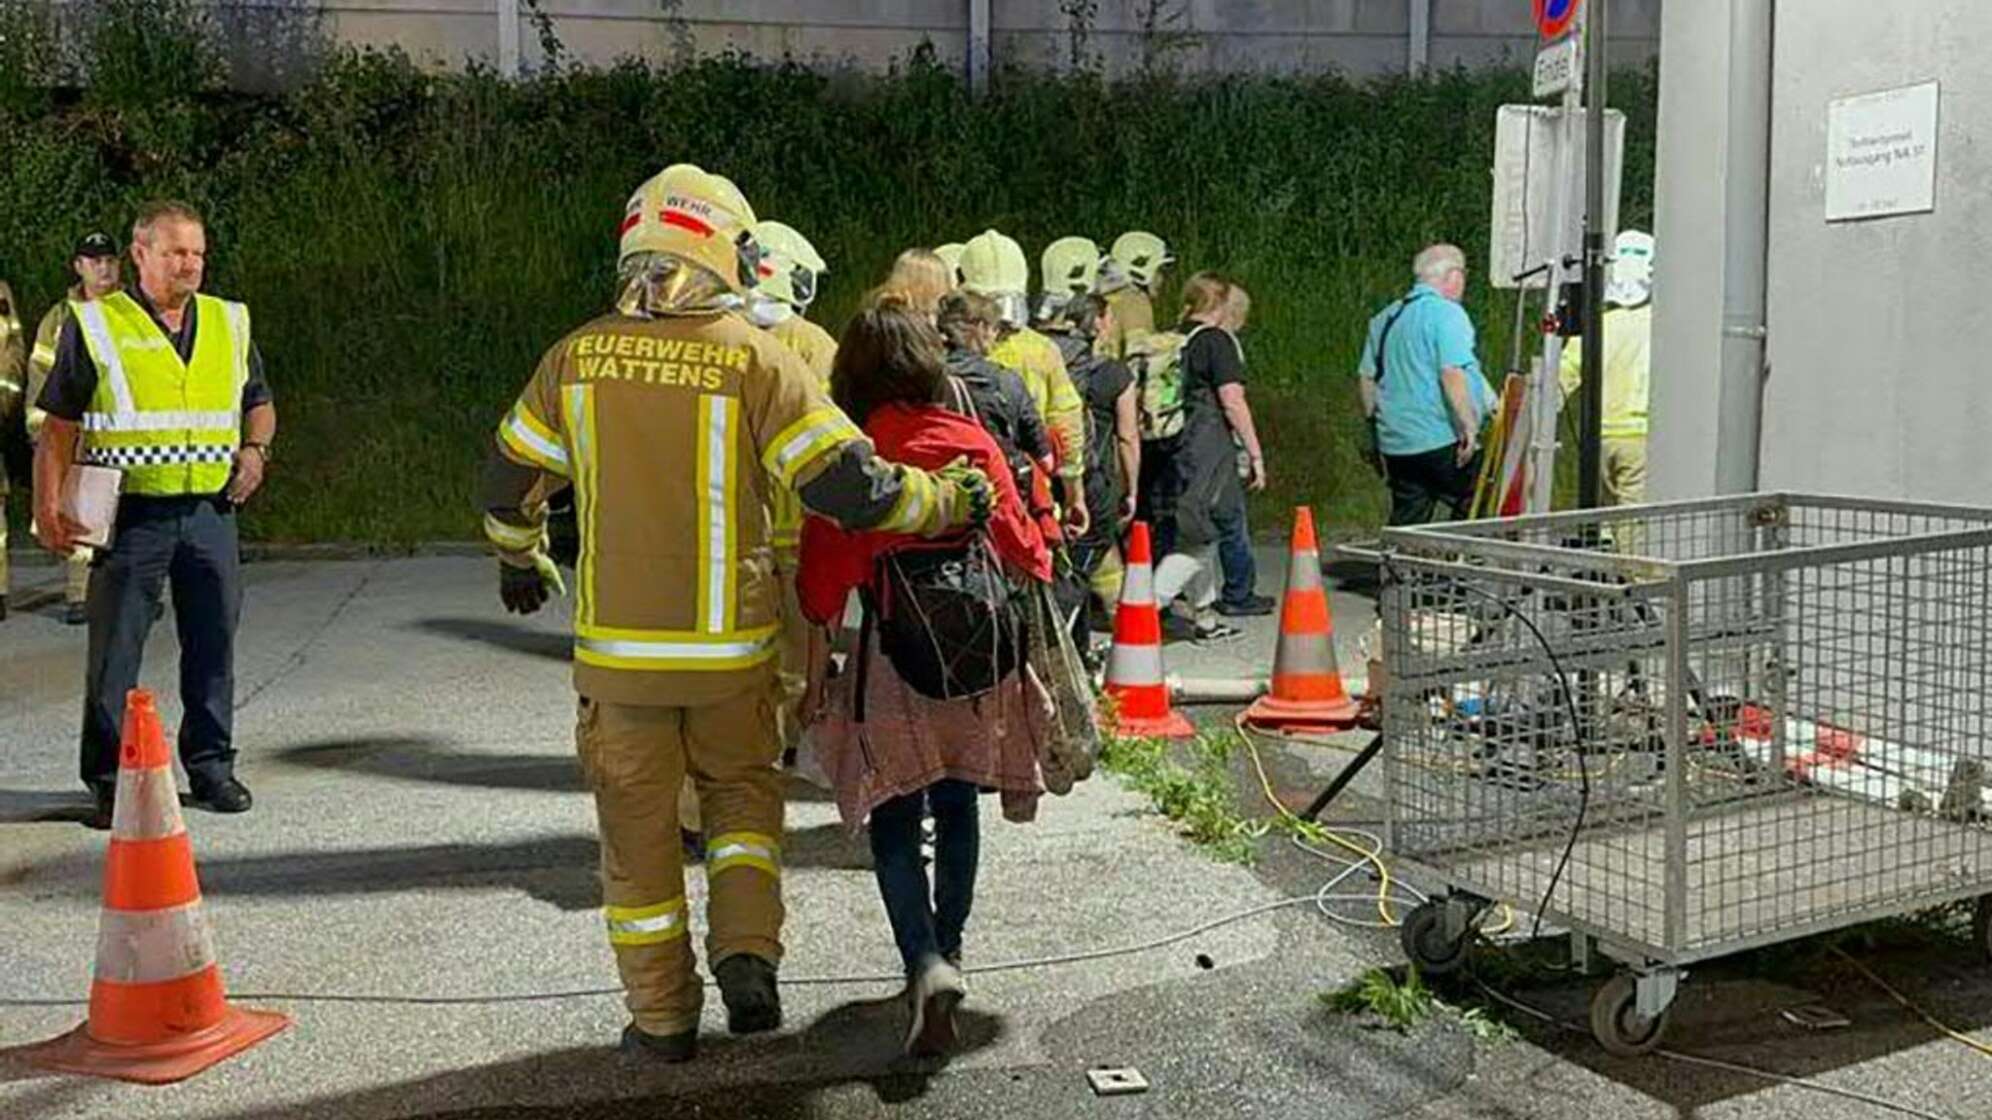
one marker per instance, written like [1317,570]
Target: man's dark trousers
[1419,483]
[192,542]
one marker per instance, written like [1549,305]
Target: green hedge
[410,242]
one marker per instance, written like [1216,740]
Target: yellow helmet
[951,253]
[789,267]
[1071,267]
[1141,256]
[993,264]
[688,213]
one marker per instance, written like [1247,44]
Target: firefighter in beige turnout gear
[674,418]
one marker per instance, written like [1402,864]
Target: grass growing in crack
[1400,1005]
[1198,794]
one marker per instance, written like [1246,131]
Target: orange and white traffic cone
[157,1010]
[1307,692]
[1134,669]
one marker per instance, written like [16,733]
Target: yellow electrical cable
[1898,997]
[1370,856]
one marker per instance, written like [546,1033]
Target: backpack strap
[1383,340]
[863,671]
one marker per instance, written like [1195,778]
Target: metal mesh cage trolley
[1689,729]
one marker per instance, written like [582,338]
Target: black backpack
[946,615]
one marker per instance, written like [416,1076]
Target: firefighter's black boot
[747,985]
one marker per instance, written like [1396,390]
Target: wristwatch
[262,449]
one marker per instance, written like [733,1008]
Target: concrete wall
[1688,271]
[1359,37]
[1878,328]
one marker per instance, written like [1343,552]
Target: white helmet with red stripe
[686,212]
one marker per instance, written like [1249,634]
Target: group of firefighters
[693,427]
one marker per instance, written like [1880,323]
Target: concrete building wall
[1358,37]
[1877,337]
[1875,328]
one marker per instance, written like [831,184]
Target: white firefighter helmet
[1141,256]
[790,266]
[951,253]
[1070,267]
[1631,279]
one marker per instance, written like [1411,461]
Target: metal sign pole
[1590,449]
[1547,395]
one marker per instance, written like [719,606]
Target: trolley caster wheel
[1426,945]
[1981,925]
[1617,1024]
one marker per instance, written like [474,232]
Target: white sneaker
[935,994]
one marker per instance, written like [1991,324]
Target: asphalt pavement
[417,888]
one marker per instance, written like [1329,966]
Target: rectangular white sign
[1530,143]
[1881,153]
[1556,66]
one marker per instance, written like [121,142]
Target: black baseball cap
[95,245]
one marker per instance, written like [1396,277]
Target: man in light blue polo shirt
[1423,391]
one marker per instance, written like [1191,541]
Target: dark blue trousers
[192,542]
[927,920]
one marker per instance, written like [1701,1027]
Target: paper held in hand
[90,499]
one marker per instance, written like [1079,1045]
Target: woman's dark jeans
[924,923]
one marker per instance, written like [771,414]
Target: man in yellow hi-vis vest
[674,419]
[165,385]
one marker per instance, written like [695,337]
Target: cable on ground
[1911,1007]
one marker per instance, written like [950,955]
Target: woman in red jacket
[912,754]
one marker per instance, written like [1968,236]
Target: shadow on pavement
[514,636]
[434,759]
[851,1052]
[1352,577]
[1731,1010]
[33,806]
[558,870]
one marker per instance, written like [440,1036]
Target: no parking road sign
[1558,61]
[1554,17]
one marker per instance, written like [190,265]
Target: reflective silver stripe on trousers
[731,851]
[153,946]
[98,330]
[662,923]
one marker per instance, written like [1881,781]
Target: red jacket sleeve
[834,562]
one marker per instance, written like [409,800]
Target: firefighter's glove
[526,582]
[966,495]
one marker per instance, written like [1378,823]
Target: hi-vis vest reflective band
[171,426]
